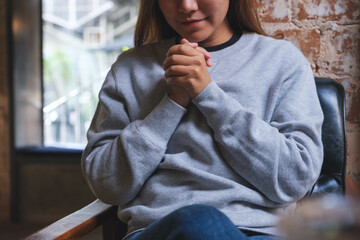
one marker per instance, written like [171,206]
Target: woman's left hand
[186,66]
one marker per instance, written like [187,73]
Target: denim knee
[196,212]
[201,222]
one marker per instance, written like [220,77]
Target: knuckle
[172,68]
[195,71]
[198,61]
[182,47]
[173,58]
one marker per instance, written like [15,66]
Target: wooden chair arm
[80,223]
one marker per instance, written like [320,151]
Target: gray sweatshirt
[248,145]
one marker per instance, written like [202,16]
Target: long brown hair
[152,27]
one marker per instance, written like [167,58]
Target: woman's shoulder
[281,48]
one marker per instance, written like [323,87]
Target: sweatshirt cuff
[217,106]
[161,123]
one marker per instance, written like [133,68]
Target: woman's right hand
[178,93]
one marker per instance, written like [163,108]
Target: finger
[185,41]
[177,59]
[207,56]
[177,81]
[208,63]
[182,49]
[176,71]
[194,44]
[204,51]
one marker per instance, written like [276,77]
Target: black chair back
[332,98]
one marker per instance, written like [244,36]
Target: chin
[197,37]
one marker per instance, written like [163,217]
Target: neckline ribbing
[235,37]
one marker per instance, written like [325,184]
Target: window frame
[24,27]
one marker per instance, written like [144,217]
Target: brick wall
[4,121]
[328,33]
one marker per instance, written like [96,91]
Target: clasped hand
[186,71]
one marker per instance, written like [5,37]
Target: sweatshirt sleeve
[282,158]
[122,154]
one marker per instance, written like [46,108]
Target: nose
[187,6]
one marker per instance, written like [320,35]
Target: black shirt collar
[228,43]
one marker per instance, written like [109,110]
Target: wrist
[184,102]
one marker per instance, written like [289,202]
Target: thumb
[195,45]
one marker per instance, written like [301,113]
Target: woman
[207,129]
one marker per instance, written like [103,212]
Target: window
[81,38]
[69,46]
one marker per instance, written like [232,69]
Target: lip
[191,22]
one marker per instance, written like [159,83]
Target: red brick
[340,51]
[274,10]
[326,9]
[353,106]
[353,158]
[307,40]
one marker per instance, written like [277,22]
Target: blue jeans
[196,222]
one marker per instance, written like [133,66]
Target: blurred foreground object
[328,217]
